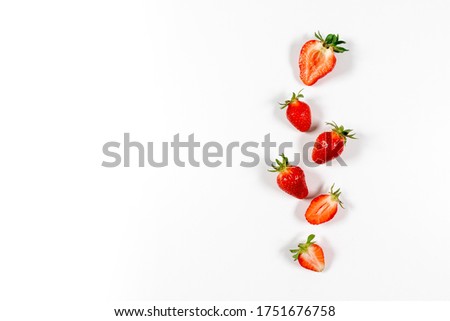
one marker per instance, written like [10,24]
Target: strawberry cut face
[309,255]
[324,207]
[313,259]
[321,210]
[317,57]
[315,62]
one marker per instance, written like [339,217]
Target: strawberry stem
[335,195]
[341,131]
[280,166]
[302,247]
[331,41]
[295,97]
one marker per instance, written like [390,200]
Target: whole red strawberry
[298,112]
[309,255]
[323,207]
[317,57]
[290,179]
[331,144]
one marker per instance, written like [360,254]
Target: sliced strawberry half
[309,255]
[324,207]
[317,57]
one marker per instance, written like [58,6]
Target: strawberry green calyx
[341,131]
[280,166]
[295,97]
[331,41]
[335,195]
[302,247]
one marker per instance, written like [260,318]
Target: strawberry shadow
[293,242]
[316,113]
[269,178]
[344,63]
[315,187]
[353,148]
[342,213]
[280,114]
[314,182]
[303,205]
[300,210]
[313,178]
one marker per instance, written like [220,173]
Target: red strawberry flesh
[317,57]
[313,259]
[309,255]
[323,207]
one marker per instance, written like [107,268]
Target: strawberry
[323,207]
[298,112]
[317,57]
[290,179]
[309,255]
[331,144]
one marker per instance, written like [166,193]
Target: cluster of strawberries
[316,60]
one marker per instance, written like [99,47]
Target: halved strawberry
[309,255]
[317,57]
[298,112]
[324,207]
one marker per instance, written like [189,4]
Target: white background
[77,74]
